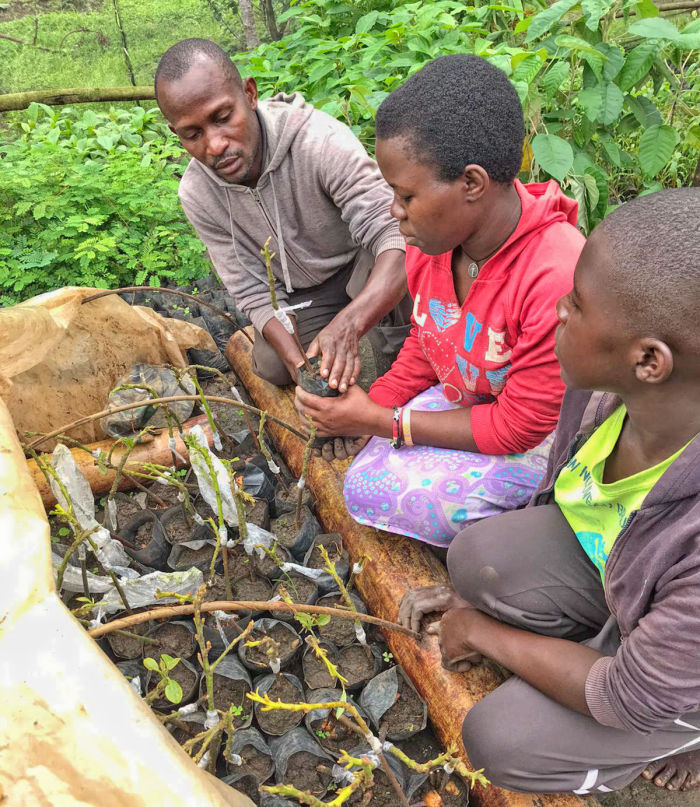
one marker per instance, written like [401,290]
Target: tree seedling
[166,686]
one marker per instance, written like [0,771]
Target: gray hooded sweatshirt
[320,197]
[652,585]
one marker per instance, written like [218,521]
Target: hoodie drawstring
[262,278]
[280,239]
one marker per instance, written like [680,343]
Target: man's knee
[470,568]
[268,365]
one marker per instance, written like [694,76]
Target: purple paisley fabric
[431,493]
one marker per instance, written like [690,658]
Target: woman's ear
[476,182]
[653,361]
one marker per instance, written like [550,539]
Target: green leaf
[602,103]
[542,22]
[646,8]
[323,619]
[644,110]
[656,147]
[173,691]
[654,28]
[366,22]
[553,154]
[615,59]
[169,662]
[637,64]
[150,664]
[322,69]
[592,192]
[554,78]
[593,10]
[611,149]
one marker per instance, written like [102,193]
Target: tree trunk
[252,40]
[271,20]
[75,95]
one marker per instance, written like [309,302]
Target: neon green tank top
[598,512]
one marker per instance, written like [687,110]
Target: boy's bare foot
[681,772]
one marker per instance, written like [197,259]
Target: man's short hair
[178,59]
[653,244]
[457,110]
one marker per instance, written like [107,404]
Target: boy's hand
[452,632]
[425,600]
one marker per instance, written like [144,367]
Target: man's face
[592,340]
[431,212]
[214,117]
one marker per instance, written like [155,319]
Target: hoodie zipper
[273,230]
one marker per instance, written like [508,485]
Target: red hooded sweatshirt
[495,352]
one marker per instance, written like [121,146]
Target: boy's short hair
[654,242]
[179,58]
[457,110]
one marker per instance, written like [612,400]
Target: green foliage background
[609,91]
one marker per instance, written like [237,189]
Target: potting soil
[280,722]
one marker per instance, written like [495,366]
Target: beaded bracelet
[396,435]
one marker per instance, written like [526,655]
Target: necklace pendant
[473,270]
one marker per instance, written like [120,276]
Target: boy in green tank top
[591,594]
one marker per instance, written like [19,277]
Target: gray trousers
[330,298]
[527,568]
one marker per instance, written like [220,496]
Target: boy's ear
[653,361]
[476,182]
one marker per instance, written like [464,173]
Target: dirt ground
[644,794]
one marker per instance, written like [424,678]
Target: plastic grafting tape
[235,759]
[387,746]
[356,568]
[171,447]
[136,683]
[341,774]
[223,533]
[216,437]
[273,466]
[189,709]
[282,316]
[276,665]
[204,761]
[374,743]
[180,496]
[236,394]
[360,633]
[301,484]
[448,767]
[197,519]
[211,720]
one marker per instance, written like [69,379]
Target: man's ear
[653,361]
[476,182]
[250,88]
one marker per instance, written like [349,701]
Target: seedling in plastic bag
[166,685]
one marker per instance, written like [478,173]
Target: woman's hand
[426,600]
[352,414]
[453,632]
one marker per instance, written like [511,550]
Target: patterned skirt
[432,493]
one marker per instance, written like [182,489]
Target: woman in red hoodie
[461,423]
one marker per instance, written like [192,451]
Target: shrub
[90,199]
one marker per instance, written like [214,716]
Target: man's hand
[339,346]
[426,600]
[453,635]
[353,414]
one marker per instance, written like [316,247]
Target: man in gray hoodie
[282,170]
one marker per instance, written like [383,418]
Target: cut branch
[74,95]
[168,611]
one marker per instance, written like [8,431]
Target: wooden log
[156,451]
[75,95]
[396,565]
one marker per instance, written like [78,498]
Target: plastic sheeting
[59,358]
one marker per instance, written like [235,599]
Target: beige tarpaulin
[73,733]
[59,358]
